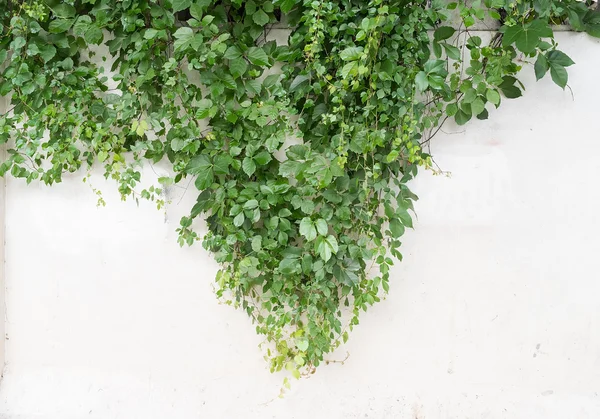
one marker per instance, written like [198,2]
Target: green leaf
[302,344]
[203,169]
[451,109]
[63,10]
[443,32]
[396,228]
[526,37]
[322,227]
[203,108]
[421,81]
[326,247]
[81,25]
[493,96]
[222,163]
[559,58]
[509,89]
[60,25]
[179,5]
[351,53]
[256,243]
[559,75]
[477,106]
[541,66]
[260,17]
[248,166]
[307,229]
[47,52]
[232,53]
[257,56]
[251,204]
[238,67]
[263,158]
[287,5]
[289,266]
[451,51]
[150,33]
[94,35]
[349,69]
[198,7]
[239,219]
[183,38]
[462,117]
[345,272]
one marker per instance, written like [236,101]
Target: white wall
[494,312]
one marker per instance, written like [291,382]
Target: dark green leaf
[257,56]
[443,32]
[179,5]
[60,25]
[541,66]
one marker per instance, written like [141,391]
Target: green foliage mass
[300,153]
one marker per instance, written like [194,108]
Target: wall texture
[494,312]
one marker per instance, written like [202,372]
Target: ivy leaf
[238,67]
[239,219]
[421,81]
[477,106]
[307,229]
[203,109]
[232,53]
[179,5]
[302,344]
[289,266]
[260,17]
[345,272]
[541,66]
[183,38]
[509,89]
[326,247]
[222,163]
[351,53]
[63,10]
[493,96]
[451,51]
[559,58]
[198,8]
[443,32]
[248,166]
[462,117]
[60,25]
[526,37]
[322,227]
[396,228]
[256,243]
[47,52]
[257,56]
[251,204]
[202,167]
[349,69]
[263,158]
[94,35]
[81,25]
[559,74]
[287,5]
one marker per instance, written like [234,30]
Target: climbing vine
[300,151]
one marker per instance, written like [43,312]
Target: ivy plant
[300,152]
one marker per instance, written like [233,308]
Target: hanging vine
[300,231]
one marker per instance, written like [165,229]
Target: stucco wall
[494,312]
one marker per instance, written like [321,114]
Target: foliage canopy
[301,227]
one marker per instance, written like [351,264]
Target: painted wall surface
[494,313]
